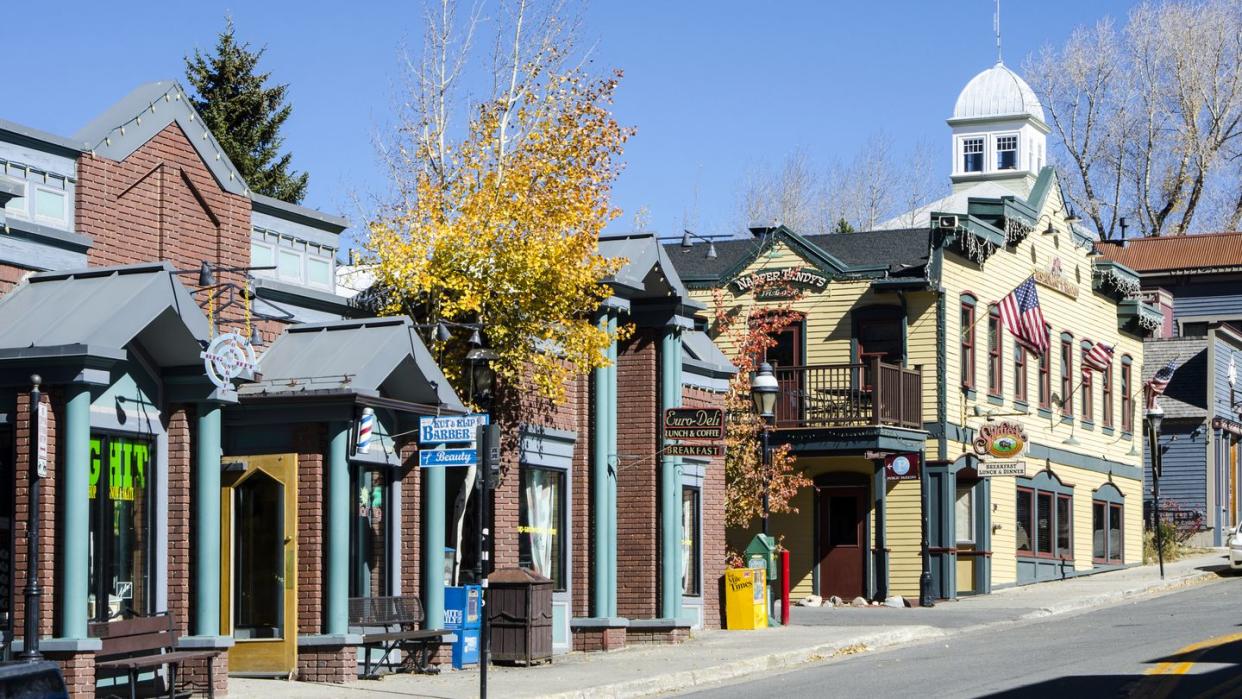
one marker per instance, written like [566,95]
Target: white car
[1235,548]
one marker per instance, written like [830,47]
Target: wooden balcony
[849,395]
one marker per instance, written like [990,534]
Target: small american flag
[1022,316]
[1160,381]
[1097,359]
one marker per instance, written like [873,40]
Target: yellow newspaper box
[746,598]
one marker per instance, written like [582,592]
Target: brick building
[119,263]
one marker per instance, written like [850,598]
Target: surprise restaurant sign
[1055,278]
[780,283]
[999,444]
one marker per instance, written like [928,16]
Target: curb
[785,660]
[686,679]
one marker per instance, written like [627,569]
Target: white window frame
[61,220]
[962,153]
[969,490]
[1017,151]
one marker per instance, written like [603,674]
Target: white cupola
[999,134]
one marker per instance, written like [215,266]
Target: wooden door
[843,541]
[787,353]
[259,571]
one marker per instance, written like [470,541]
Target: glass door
[258,606]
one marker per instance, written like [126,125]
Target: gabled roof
[65,144]
[369,356]
[97,312]
[1186,394]
[648,271]
[1178,253]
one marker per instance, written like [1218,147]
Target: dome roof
[997,92]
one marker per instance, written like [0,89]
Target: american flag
[1097,359]
[1022,316]
[1160,381]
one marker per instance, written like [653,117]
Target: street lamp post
[33,592]
[1155,416]
[763,390]
[482,378]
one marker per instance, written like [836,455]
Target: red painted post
[784,587]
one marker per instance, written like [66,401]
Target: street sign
[901,467]
[694,423]
[988,469]
[456,429]
[432,458]
[41,464]
[870,454]
[707,450]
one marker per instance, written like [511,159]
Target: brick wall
[48,513]
[637,478]
[180,519]
[193,675]
[79,672]
[713,504]
[579,401]
[310,442]
[162,203]
[10,276]
[332,664]
[411,515]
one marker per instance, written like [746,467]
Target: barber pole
[365,423]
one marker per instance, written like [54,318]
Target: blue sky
[713,87]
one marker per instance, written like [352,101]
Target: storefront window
[541,524]
[964,515]
[368,533]
[121,527]
[690,542]
[1025,540]
[1045,523]
[1106,519]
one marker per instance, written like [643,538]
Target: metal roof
[370,356]
[648,269]
[97,312]
[997,92]
[1177,253]
[700,348]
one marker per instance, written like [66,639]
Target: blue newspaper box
[461,616]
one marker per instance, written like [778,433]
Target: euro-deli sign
[694,423]
[444,430]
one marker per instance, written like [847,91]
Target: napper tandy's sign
[780,283]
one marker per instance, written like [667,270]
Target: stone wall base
[192,676]
[599,639]
[650,635]
[79,671]
[331,664]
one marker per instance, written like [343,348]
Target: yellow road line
[1165,675]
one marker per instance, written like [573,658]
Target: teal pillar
[670,480]
[336,564]
[611,384]
[432,589]
[76,526]
[207,522]
[602,573]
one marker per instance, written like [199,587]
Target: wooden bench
[141,643]
[392,623]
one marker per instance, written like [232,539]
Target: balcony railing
[849,395]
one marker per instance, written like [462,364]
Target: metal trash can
[519,611]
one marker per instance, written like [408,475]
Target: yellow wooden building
[903,395]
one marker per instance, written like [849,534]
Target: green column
[599,494]
[611,413]
[207,522]
[432,589]
[76,529]
[336,563]
[670,480]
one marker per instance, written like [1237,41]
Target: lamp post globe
[1155,416]
[763,390]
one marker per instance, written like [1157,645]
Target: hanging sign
[457,429]
[1055,278]
[432,458]
[694,423]
[901,467]
[1004,439]
[988,469]
[780,283]
[707,450]
[226,358]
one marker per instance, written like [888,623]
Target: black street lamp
[33,592]
[763,390]
[1155,416]
[482,378]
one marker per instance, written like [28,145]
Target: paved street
[1185,644]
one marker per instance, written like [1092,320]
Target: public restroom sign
[694,423]
[1002,440]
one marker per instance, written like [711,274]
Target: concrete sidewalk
[815,635]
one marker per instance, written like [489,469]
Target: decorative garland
[976,248]
[1127,286]
[1016,231]
[1150,323]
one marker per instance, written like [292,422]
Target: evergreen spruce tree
[245,115]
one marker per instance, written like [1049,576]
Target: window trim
[1110,497]
[1127,401]
[996,353]
[966,141]
[1087,383]
[1045,483]
[151,517]
[1067,375]
[966,356]
[1020,378]
[696,554]
[1045,378]
[997,150]
[1107,394]
[970,491]
[561,550]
